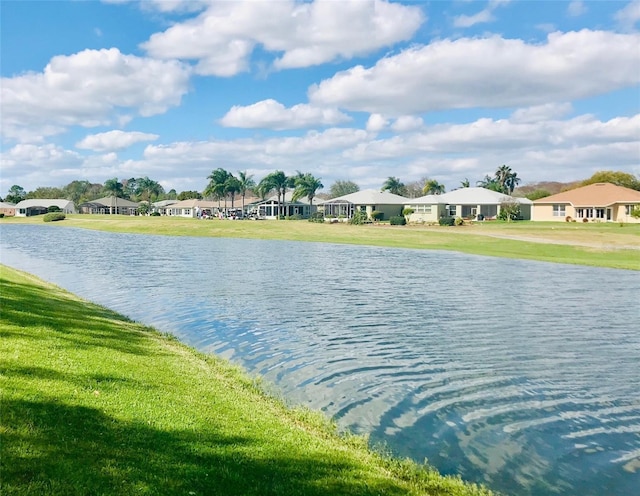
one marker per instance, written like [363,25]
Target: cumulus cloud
[376,123]
[406,123]
[543,112]
[487,72]
[270,114]
[576,8]
[89,88]
[485,15]
[114,140]
[223,37]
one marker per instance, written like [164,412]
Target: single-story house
[8,209]
[599,202]
[192,208]
[110,205]
[467,203]
[161,206]
[367,201]
[39,206]
[269,208]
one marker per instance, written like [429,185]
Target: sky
[349,90]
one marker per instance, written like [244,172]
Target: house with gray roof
[367,201]
[8,209]
[269,208]
[110,205]
[39,206]
[467,203]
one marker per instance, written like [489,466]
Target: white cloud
[223,37]
[113,140]
[88,89]
[485,15]
[489,72]
[270,114]
[543,112]
[629,16]
[376,123]
[406,123]
[576,8]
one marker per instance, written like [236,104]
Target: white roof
[193,203]
[113,201]
[164,203]
[6,205]
[43,202]
[370,197]
[479,196]
[426,200]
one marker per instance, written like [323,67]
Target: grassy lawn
[602,244]
[93,403]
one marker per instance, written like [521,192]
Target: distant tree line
[225,186]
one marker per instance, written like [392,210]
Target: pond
[522,375]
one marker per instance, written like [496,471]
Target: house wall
[387,210]
[545,213]
[422,214]
[8,212]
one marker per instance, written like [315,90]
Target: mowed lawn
[93,403]
[595,244]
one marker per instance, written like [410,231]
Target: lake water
[522,375]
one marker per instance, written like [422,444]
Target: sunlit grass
[93,403]
[595,244]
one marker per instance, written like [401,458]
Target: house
[110,205]
[162,205]
[367,201]
[192,208]
[270,207]
[39,206]
[8,209]
[599,202]
[467,203]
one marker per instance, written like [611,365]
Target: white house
[368,201]
[39,206]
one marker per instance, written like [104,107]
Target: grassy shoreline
[608,245]
[93,403]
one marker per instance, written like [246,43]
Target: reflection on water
[519,374]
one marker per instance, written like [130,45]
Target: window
[599,213]
[452,211]
[629,208]
[559,210]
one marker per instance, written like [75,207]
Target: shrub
[585,220]
[568,218]
[155,214]
[459,221]
[358,218]
[509,211]
[2,215]
[294,217]
[635,213]
[407,212]
[446,221]
[316,217]
[397,220]
[54,216]
[377,215]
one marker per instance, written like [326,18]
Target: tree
[16,194]
[147,189]
[341,188]
[394,185]
[263,189]
[537,194]
[506,179]
[246,182]
[231,187]
[216,186]
[509,210]
[188,195]
[635,213]
[414,188]
[113,187]
[618,178]
[45,192]
[306,185]
[465,183]
[130,188]
[433,187]
[279,182]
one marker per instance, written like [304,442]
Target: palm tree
[433,187]
[231,187]
[465,183]
[216,186]
[113,187]
[393,185]
[246,182]
[512,181]
[149,188]
[306,185]
[502,175]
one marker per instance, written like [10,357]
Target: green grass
[593,244]
[93,403]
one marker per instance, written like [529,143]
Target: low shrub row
[54,216]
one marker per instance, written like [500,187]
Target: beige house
[600,202]
[467,203]
[8,209]
[192,208]
[366,201]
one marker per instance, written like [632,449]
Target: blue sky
[355,90]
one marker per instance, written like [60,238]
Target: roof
[6,205]
[112,201]
[426,200]
[594,195]
[193,203]
[370,197]
[43,202]
[164,203]
[479,196]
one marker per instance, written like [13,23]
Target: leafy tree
[433,187]
[306,185]
[635,213]
[394,185]
[537,194]
[245,183]
[509,211]
[144,208]
[148,189]
[414,188]
[113,187]
[614,177]
[16,194]
[173,195]
[188,195]
[130,188]
[81,191]
[45,192]
[341,188]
